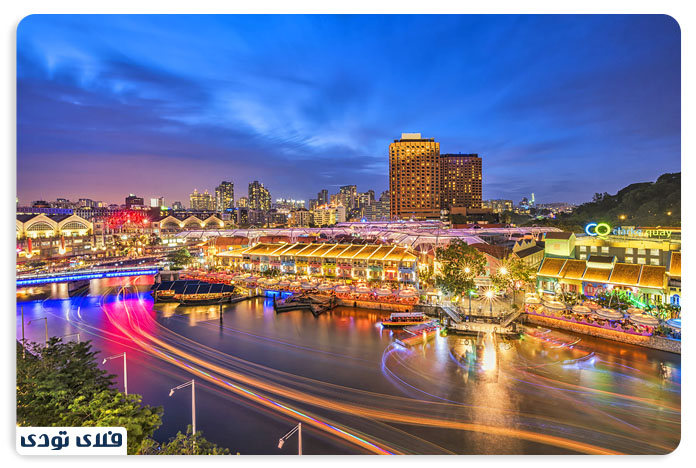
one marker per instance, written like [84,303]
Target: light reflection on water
[598,391]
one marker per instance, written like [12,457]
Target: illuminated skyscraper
[224,196]
[323,197]
[460,181]
[414,177]
[259,197]
[202,201]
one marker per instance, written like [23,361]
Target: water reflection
[547,392]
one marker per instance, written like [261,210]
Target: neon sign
[598,229]
[602,230]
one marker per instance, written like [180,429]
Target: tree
[185,444]
[180,258]
[459,265]
[426,274]
[111,408]
[50,378]
[61,385]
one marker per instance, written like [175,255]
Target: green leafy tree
[459,265]
[50,378]
[111,408]
[185,444]
[60,384]
[180,258]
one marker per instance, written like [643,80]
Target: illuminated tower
[414,177]
[460,181]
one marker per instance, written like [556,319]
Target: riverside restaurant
[632,321]
[348,262]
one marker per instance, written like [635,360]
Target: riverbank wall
[374,305]
[654,342]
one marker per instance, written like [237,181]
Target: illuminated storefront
[344,261]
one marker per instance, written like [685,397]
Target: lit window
[654,261]
[641,261]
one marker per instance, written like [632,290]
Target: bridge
[81,275]
[452,313]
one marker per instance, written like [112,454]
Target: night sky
[563,106]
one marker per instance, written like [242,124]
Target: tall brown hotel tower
[421,181]
[461,181]
[414,177]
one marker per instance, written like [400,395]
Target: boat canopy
[192,287]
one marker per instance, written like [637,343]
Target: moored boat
[403,319]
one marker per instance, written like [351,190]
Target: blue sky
[563,106]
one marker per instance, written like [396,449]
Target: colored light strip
[85,276]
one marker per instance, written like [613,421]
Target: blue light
[84,276]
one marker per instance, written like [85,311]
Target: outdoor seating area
[634,321]
[360,292]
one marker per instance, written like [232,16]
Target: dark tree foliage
[185,444]
[643,204]
[459,265]
[50,378]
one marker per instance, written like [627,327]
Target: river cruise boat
[193,292]
[404,319]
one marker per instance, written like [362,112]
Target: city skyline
[541,99]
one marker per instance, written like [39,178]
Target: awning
[324,287]
[383,292]
[581,309]
[342,289]
[362,290]
[408,293]
[644,319]
[609,314]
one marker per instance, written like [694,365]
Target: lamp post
[45,325]
[21,309]
[72,334]
[297,429]
[125,369]
[489,295]
[192,383]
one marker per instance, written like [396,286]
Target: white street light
[297,429]
[192,383]
[125,368]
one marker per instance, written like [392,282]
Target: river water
[258,373]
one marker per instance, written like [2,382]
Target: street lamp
[125,369]
[192,383]
[72,334]
[297,429]
[489,295]
[45,324]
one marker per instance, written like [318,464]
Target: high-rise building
[132,200]
[243,202]
[323,197]
[327,215]
[202,201]
[498,206]
[259,197]
[224,196]
[347,195]
[313,203]
[177,205]
[289,204]
[157,202]
[414,177]
[460,185]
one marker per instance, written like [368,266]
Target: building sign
[602,230]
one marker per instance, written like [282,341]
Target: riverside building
[342,261]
